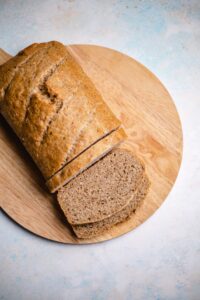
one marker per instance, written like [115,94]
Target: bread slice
[102,190]
[86,159]
[97,228]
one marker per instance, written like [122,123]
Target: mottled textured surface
[161,258]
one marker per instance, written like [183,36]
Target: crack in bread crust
[45,133]
[40,113]
[61,105]
[41,88]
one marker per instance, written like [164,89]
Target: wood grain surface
[150,118]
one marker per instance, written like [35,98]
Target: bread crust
[27,80]
[9,69]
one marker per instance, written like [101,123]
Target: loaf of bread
[72,136]
[54,108]
[104,194]
[86,159]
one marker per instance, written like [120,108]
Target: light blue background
[161,258]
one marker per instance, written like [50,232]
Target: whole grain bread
[97,228]
[52,105]
[102,190]
[86,159]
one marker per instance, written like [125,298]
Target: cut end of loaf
[86,231]
[103,189]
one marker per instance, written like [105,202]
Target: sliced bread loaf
[97,228]
[103,189]
[83,118]
[86,159]
[52,105]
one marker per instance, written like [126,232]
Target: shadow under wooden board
[154,131]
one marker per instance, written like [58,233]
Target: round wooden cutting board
[151,121]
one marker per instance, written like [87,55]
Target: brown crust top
[27,80]
[8,70]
